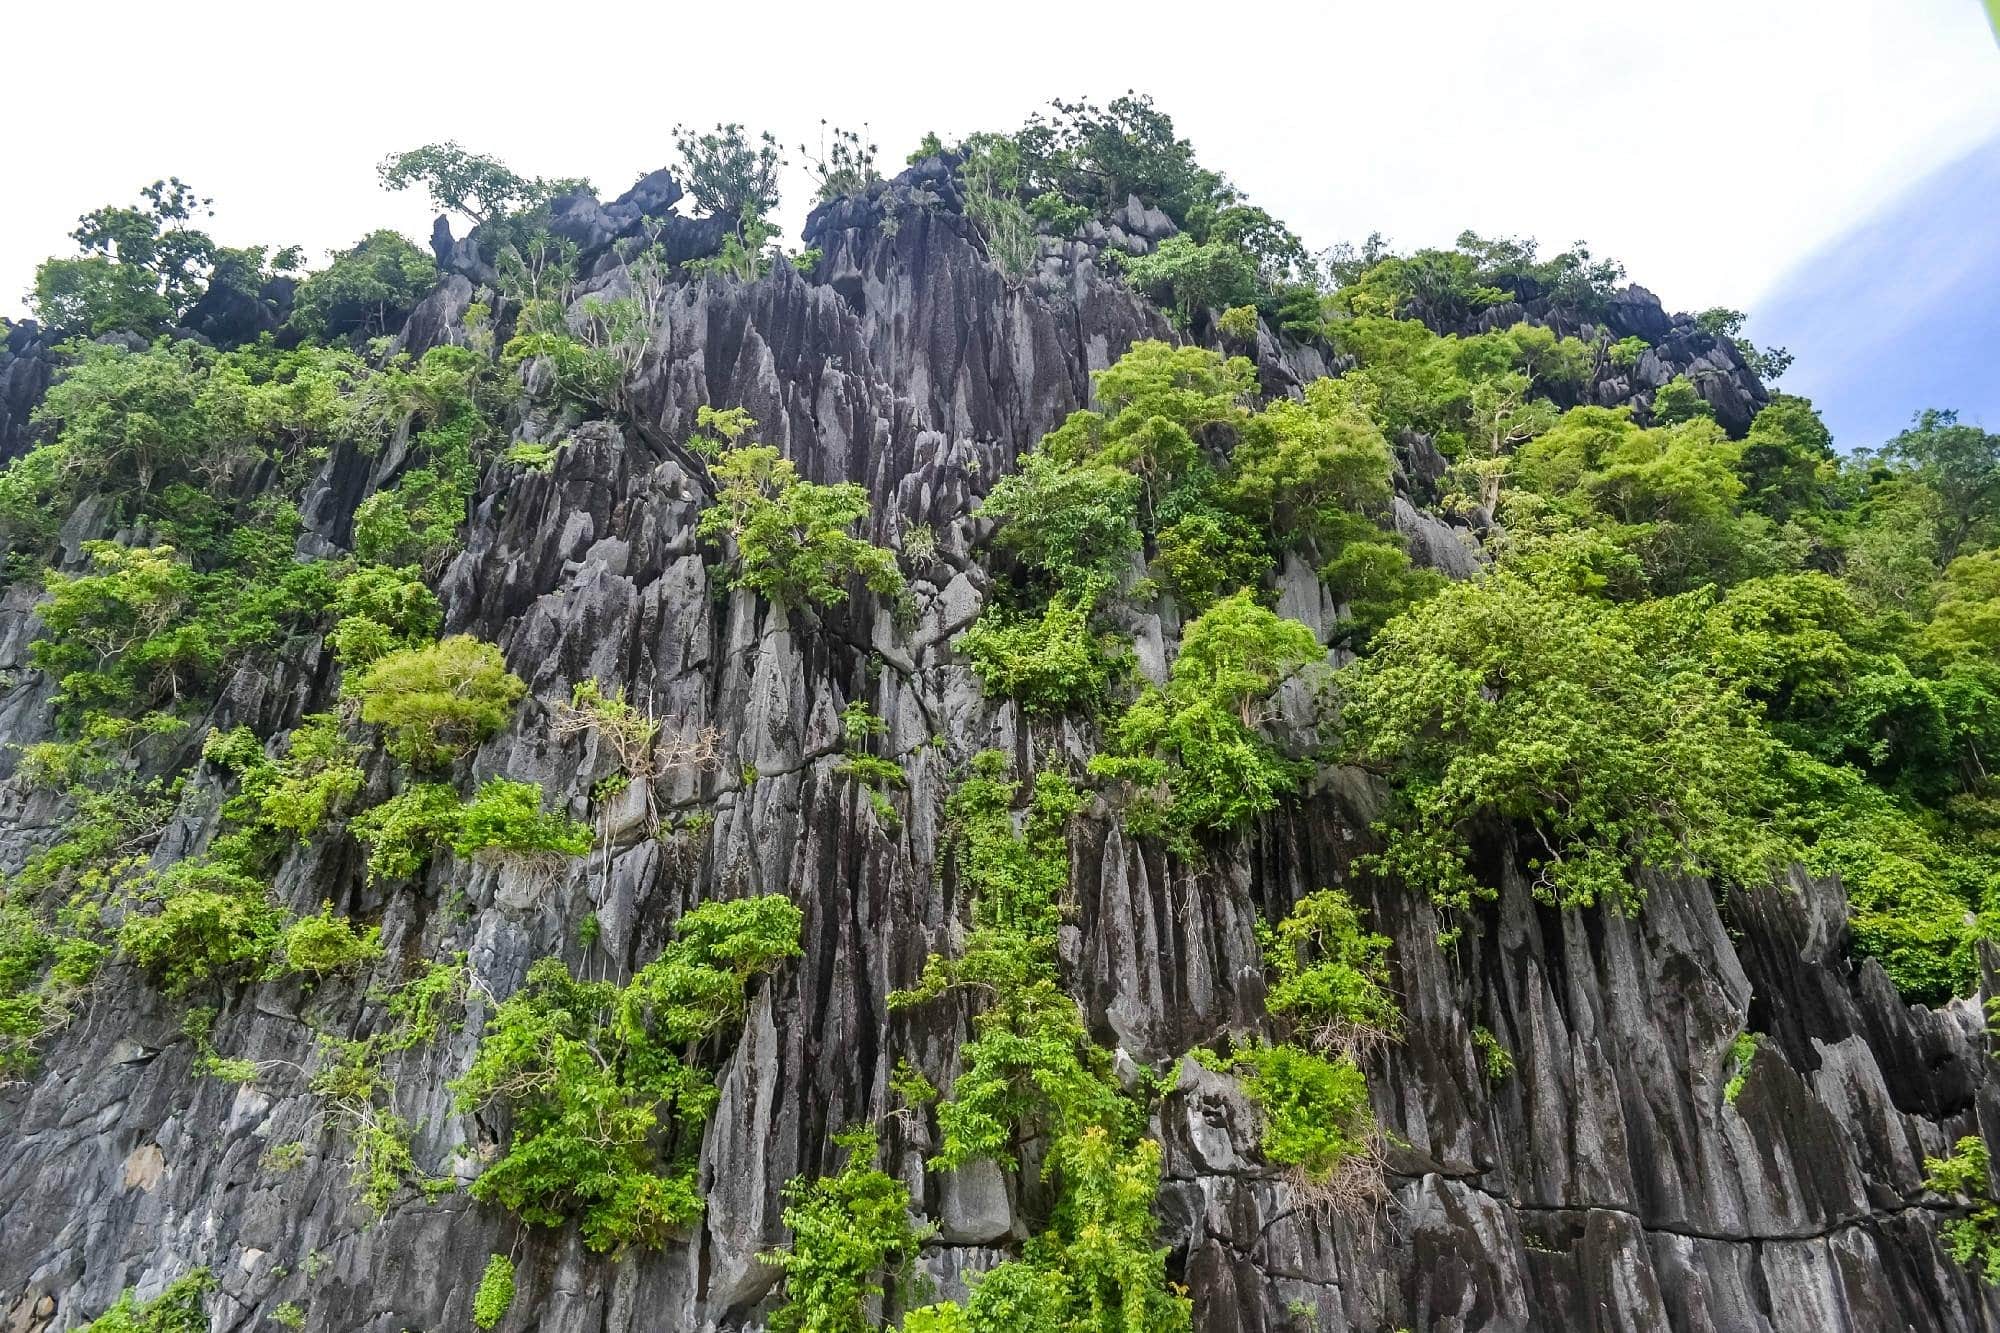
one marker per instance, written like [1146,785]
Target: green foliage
[115,412]
[482,188]
[1678,400]
[1960,464]
[1495,1061]
[1625,353]
[606,1116]
[1097,156]
[1193,277]
[842,168]
[1195,750]
[495,1295]
[1238,322]
[351,1083]
[319,946]
[852,1242]
[991,174]
[140,268]
[1330,976]
[367,290]
[1973,1239]
[181,1308]
[1052,664]
[378,610]
[506,818]
[1741,1052]
[1591,726]
[403,831]
[289,1315]
[726,174]
[1096,1268]
[301,792]
[1078,524]
[792,540]
[212,922]
[1016,874]
[436,703]
[1315,1109]
[43,972]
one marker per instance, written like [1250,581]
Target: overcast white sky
[1708,143]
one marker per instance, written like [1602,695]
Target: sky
[1712,145]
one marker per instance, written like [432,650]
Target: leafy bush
[1330,976]
[1484,700]
[1053,664]
[118,413]
[793,545]
[181,1308]
[1195,277]
[507,818]
[299,793]
[495,1295]
[213,922]
[726,174]
[606,1116]
[368,289]
[403,831]
[852,1241]
[1096,1267]
[1974,1238]
[319,946]
[436,703]
[378,610]
[1316,1112]
[1194,749]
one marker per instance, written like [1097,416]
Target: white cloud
[1709,144]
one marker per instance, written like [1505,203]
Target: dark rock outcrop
[1608,1183]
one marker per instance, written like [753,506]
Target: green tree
[793,544]
[1593,728]
[852,1242]
[480,187]
[1961,464]
[368,289]
[118,414]
[435,703]
[141,267]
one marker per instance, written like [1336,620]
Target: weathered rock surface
[1608,1183]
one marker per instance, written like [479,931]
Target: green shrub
[1482,701]
[1330,976]
[606,1115]
[1495,1061]
[378,610]
[1193,748]
[436,703]
[181,1308]
[1741,1052]
[1625,353]
[1051,664]
[318,946]
[42,973]
[852,1242]
[1190,277]
[403,831]
[213,922]
[495,1295]
[1096,1267]
[1316,1112]
[368,289]
[1973,1239]
[507,818]
[299,793]
[792,538]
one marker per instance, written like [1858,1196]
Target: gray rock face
[1608,1183]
